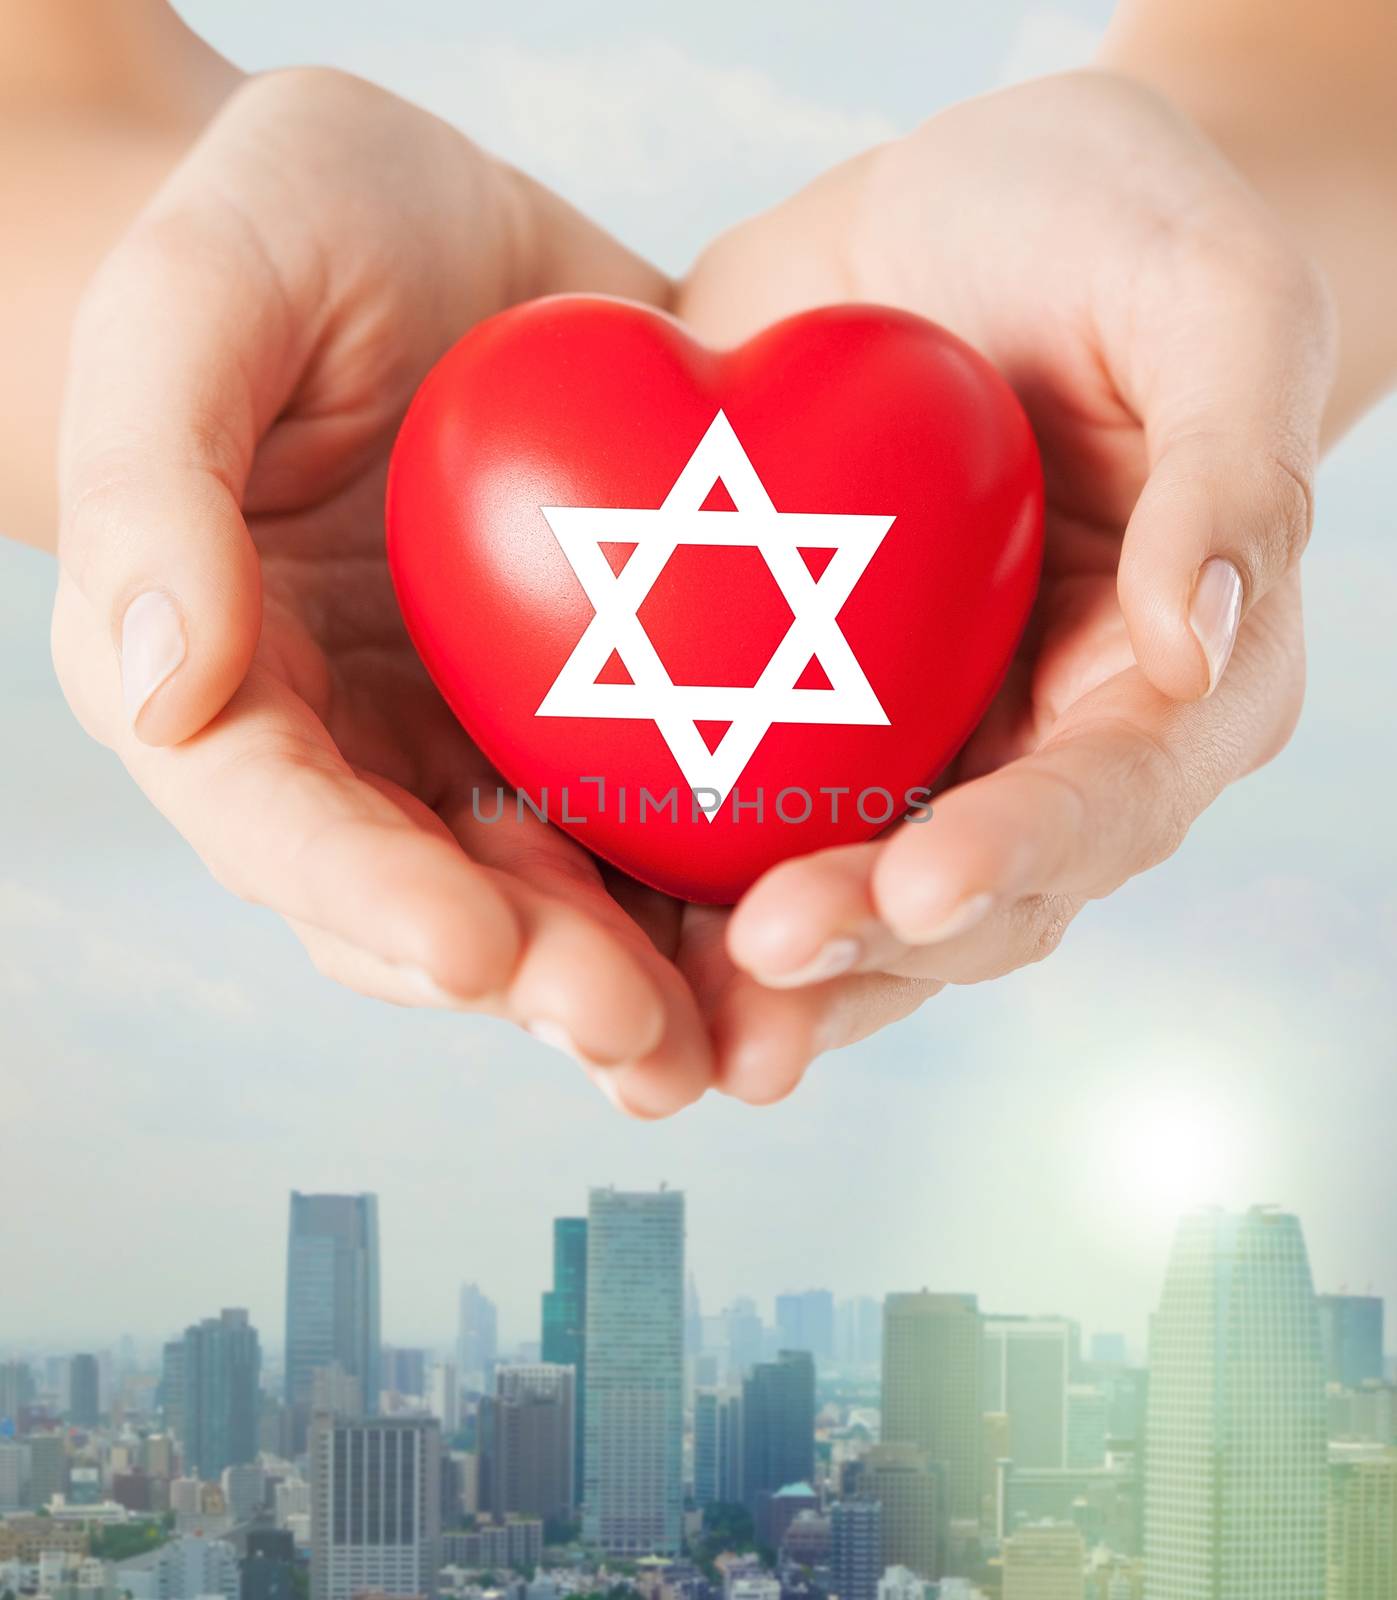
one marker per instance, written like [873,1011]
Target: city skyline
[995,1452]
[1217,1030]
[528,1329]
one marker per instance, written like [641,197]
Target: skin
[1173,351]
[234,387]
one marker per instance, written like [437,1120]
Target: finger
[765,1039]
[266,800]
[1111,794]
[370,975]
[575,933]
[184,348]
[992,879]
[1231,385]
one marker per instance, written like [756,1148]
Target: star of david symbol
[814,632]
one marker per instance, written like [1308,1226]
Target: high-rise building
[1108,1350]
[16,1389]
[190,1567]
[858,1332]
[693,1318]
[778,1425]
[267,1570]
[14,1475]
[403,1370]
[170,1391]
[717,1447]
[1362,1523]
[48,1467]
[932,1390]
[1350,1329]
[84,1410]
[1044,1561]
[1028,1367]
[375,1507]
[564,1341]
[633,1489]
[336,1393]
[1103,1502]
[221,1372]
[856,1548]
[805,1321]
[908,1489]
[1235,1446]
[743,1336]
[244,1490]
[332,1298]
[477,1335]
[525,1432]
[1088,1425]
[444,1396]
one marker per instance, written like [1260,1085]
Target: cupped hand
[224,618]
[1173,352]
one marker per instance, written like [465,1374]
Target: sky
[171,1066]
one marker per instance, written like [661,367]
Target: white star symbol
[814,631]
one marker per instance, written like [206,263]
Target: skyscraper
[908,1489]
[856,1548]
[477,1335]
[221,1371]
[633,1489]
[171,1389]
[1235,1463]
[858,1332]
[1350,1327]
[1028,1367]
[1045,1561]
[525,1432]
[375,1507]
[1362,1523]
[48,1467]
[805,1321]
[778,1425]
[717,1447]
[564,1341]
[16,1389]
[742,1334]
[83,1405]
[332,1297]
[932,1387]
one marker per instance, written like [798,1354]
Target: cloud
[667,147]
[634,116]
[43,938]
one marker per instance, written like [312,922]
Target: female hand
[1174,353]
[224,618]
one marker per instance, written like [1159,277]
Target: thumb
[1239,374]
[161,422]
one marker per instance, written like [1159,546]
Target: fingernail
[429,992]
[152,646]
[959,919]
[833,958]
[608,1081]
[555,1036]
[1215,613]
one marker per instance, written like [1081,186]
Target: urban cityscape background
[643,1445]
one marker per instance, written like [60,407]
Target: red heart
[896,446]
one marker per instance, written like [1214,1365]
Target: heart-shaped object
[707,610]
